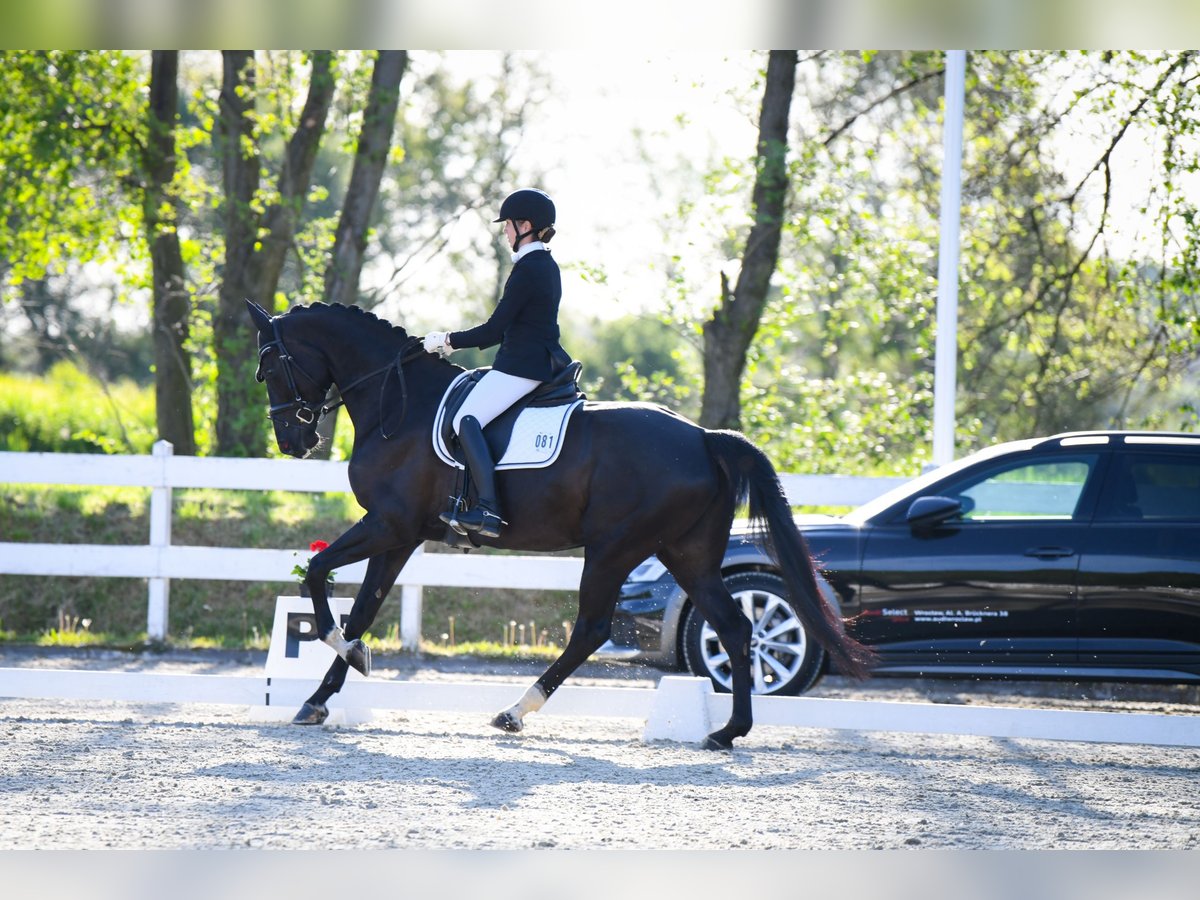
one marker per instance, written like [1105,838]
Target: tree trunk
[281,218]
[171,304]
[727,335]
[374,145]
[240,424]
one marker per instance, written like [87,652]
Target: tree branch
[1179,62]
[895,92]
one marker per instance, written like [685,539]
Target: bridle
[307,412]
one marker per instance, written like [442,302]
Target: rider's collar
[527,249]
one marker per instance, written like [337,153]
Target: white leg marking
[337,640]
[531,701]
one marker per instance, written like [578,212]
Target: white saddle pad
[536,440]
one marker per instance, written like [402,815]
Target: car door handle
[1049,552]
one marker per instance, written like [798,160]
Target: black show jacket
[525,322]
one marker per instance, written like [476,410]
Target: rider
[525,325]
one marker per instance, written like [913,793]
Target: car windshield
[872,508]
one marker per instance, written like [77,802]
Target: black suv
[1071,556]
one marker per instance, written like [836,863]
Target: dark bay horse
[633,480]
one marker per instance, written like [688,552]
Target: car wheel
[784,659]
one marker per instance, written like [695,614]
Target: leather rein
[307,412]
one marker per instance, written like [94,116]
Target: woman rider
[525,325]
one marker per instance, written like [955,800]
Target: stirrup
[480,520]
[450,517]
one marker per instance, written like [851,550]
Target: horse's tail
[753,479]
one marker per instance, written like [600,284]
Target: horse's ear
[262,318]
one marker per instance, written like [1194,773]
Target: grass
[388,643]
[491,650]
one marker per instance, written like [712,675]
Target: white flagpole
[945,381]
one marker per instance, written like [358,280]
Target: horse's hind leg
[702,582]
[604,572]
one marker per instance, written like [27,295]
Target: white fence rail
[679,709]
[159,560]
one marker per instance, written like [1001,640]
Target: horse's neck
[425,380]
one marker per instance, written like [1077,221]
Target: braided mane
[377,325]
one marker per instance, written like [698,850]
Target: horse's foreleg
[368,538]
[314,711]
[603,575]
[382,572]
[352,650]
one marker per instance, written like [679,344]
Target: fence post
[411,598]
[159,601]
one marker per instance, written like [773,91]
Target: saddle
[528,435]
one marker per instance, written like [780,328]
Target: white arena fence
[160,561]
[681,708]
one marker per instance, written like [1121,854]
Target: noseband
[307,412]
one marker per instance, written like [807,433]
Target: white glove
[438,342]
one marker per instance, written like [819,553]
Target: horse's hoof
[506,721]
[359,657]
[311,714]
[717,741]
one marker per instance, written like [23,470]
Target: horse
[632,480]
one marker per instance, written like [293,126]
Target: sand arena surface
[107,774]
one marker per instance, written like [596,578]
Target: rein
[307,412]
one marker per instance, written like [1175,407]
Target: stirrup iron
[450,516]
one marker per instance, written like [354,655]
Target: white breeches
[495,393]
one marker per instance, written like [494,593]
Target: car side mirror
[929,512]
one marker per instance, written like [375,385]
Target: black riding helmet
[532,206]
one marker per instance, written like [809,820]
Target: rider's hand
[438,342]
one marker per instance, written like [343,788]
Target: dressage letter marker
[297,653]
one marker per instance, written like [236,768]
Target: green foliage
[437,244]
[1056,331]
[69,412]
[1064,321]
[496,616]
[632,358]
[495,650]
[70,143]
[863,423]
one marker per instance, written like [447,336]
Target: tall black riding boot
[484,517]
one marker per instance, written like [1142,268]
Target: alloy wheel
[778,643]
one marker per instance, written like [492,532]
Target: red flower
[301,572]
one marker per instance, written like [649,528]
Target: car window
[1152,486]
[1046,489]
[919,485]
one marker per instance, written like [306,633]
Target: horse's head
[297,378]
